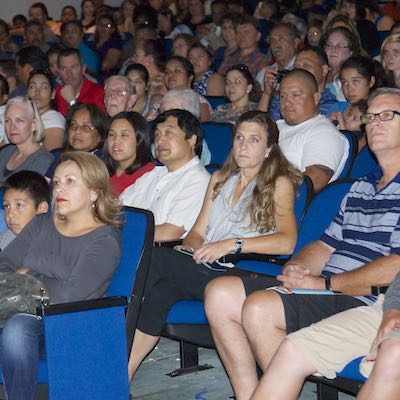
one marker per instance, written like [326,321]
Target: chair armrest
[377,290]
[85,305]
[168,244]
[234,258]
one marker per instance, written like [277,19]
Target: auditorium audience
[173,192]
[41,92]
[242,92]
[339,44]
[307,138]
[27,59]
[247,36]
[25,194]
[350,264]
[107,45]
[24,131]
[88,19]
[179,74]
[139,77]
[72,36]
[119,94]
[206,81]
[73,251]
[390,57]
[76,88]
[248,208]
[126,150]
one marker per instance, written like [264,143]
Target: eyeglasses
[85,128]
[394,53]
[117,92]
[335,47]
[386,115]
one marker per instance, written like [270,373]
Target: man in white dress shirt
[175,191]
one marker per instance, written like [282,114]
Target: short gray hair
[34,113]
[189,100]
[129,85]
[383,90]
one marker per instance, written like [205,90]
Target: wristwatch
[239,245]
[328,285]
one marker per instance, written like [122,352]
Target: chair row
[218,136]
[187,321]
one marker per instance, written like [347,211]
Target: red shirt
[120,183]
[91,93]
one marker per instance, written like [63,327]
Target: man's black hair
[190,125]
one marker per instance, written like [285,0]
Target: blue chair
[353,150]
[218,136]
[215,101]
[321,211]
[363,164]
[87,342]
[187,321]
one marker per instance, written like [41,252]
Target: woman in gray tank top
[248,208]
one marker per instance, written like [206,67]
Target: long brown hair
[262,207]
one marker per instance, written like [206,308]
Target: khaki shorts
[329,345]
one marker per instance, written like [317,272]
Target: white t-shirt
[53,119]
[314,142]
[173,197]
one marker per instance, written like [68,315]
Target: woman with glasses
[85,130]
[241,90]
[108,45]
[127,153]
[390,57]
[41,91]
[24,130]
[339,44]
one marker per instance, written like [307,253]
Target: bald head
[299,97]
[307,79]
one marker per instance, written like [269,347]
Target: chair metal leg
[325,392]
[189,360]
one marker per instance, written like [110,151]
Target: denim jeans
[19,351]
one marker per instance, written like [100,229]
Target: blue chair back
[215,101]
[168,48]
[218,136]
[363,164]
[129,278]
[353,149]
[75,340]
[303,199]
[321,211]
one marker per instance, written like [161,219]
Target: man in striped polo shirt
[360,249]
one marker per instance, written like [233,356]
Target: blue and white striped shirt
[366,227]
